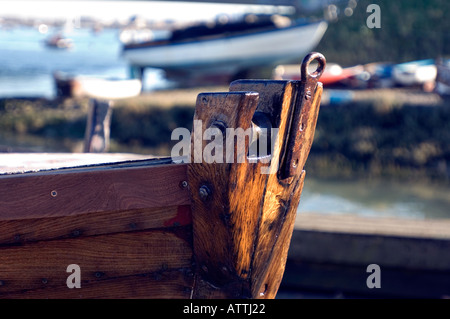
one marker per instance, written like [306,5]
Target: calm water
[27,65]
[375,198]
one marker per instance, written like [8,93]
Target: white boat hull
[233,53]
[415,73]
[97,88]
[107,89]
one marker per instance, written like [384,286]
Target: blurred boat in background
[99,88]
[415,73]
[420,74]
[380,75]
[332,74]
[58,41]
[216,52]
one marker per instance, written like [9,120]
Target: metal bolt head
[204,192]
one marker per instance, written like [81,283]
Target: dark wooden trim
[167,284]
[79,191]
[22,231]
[106,261]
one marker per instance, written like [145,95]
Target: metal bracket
[308,96]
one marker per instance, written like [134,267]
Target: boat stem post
[243,212]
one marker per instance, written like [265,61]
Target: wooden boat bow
[242,228]
[218,226]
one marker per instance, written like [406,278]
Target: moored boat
[333,73]
[415,73]
[58,41]
[98,88]
[176,227]
[222,51]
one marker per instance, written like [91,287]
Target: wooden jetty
[127,227]
[329,255]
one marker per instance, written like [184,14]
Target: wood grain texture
[275,204]
[281,200]
[168,284]
[220,257]
[275,232]
[23,231]
[128,226]
[78,191]
[41,266]
[272,94]
[250,214]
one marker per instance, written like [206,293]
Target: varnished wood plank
[226,258]
[36,229]
[42,265]
[72,192]
[168,284]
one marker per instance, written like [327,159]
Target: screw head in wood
[184,184]
[204,192]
